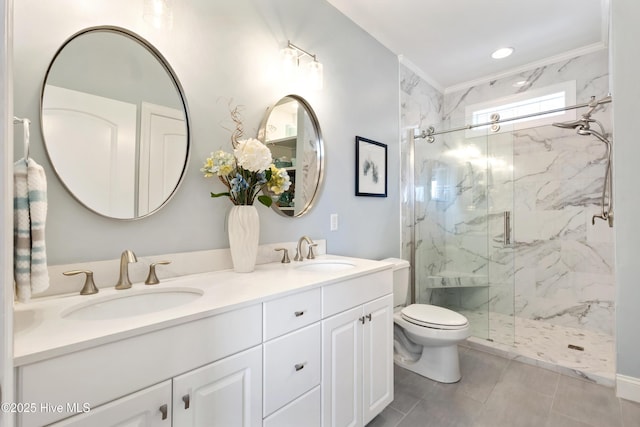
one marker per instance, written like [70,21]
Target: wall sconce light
[158,13]
[310,73]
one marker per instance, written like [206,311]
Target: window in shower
[521,104]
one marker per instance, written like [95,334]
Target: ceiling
[450,41]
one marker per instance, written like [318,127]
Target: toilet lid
[433,316]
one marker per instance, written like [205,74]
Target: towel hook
[25,133]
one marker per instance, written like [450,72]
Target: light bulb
[289,63]
[158,13]
[314,71]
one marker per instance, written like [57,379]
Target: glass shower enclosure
[463,224]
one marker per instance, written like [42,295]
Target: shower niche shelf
[456,279]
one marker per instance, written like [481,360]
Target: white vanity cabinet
[218,357]
[357,376]
[222,394]
[318,354]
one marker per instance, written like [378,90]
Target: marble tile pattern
[545,345]
[549,179]
[562,265]
[421,105]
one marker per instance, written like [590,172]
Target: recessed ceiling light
[503,52]
[520,83]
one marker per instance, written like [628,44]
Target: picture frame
[371,168]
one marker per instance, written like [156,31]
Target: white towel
[30,212]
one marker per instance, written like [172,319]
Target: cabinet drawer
[291,312]
[291,366]
[356,291]
[304,411]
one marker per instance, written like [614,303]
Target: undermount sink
[326,266]
[131,303]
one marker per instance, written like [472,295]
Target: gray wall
[221,50]
[626,94]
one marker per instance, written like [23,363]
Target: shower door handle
[507,228]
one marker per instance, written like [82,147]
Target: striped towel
[30,212]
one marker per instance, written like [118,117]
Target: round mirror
[114,122]
[291,131]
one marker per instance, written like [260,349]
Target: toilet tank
[401,281]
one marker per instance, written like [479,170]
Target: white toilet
[425,337]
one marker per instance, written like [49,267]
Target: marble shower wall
[559,267]
[563,265]
[421,105]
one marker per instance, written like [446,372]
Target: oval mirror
[114,123]
[291,131]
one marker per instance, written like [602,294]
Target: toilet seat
[431,316]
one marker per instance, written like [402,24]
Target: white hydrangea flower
[252,155]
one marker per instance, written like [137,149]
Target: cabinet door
[377,356]
[150,407]
[226,393]
[342,369]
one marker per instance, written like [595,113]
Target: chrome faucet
[310,244]
[127,257]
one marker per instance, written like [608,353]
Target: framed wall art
[371,168]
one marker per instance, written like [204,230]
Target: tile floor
[544,344]
[498,392]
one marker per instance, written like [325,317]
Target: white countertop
[40,331]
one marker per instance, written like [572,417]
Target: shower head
[580,124]
[569,125]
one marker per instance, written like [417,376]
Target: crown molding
[595,47]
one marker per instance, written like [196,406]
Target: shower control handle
[507,228]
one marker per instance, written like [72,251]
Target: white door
[163,151]
[100,170]
[342,369]
[227,393]
[150,407]
[377,356]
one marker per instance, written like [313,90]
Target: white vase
[244,232]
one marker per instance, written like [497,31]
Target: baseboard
[628,387]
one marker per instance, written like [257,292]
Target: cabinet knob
[186,399]
[362,319]
[300,366]
[164,410]
[368,316]
[299,313]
